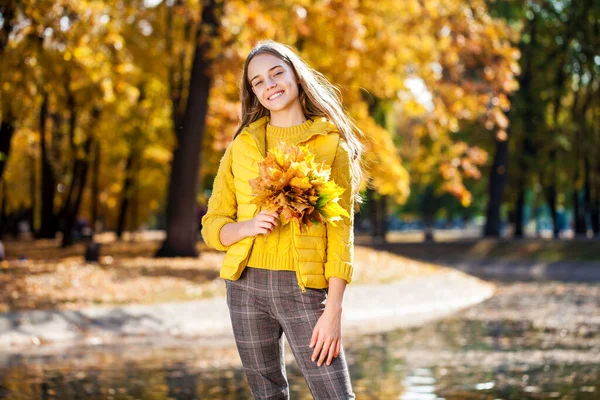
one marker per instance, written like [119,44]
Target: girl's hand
[327,336]
[262,224]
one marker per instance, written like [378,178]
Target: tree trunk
[77,186]
[428,220]
[48,224]
[374,220]
[496,189]
[527,152]
[32,193]
[595,213]
[519,210]
[181,198]
[578,210]
[382,226]
[429,207]
[578,214]
[7,129]
[377,216]
[595,209]
[126,194]
[587,193]
[550,192]
[71,106]
[72,202]
[550,172]
[551,196]
[527,155]
[135,201]
[3,219]
[95,186]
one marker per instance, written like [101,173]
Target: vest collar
[258,130]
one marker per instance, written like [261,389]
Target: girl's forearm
[232,233]
[261,224]
[335,294]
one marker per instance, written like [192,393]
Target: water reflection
[419,385]
[481,353]
[419,364]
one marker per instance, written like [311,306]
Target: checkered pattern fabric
[264,305]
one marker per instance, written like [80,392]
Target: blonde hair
[318,97]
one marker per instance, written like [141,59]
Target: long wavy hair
[318,96]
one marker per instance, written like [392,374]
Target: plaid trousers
[264,304]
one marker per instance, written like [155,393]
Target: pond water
[530,341]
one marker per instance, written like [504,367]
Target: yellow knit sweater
[275,251]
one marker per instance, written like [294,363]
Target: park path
[368,308]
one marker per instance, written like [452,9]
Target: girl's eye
[278,73]
[257,83]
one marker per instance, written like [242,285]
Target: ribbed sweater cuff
[339,269]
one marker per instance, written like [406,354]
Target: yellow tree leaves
[384,166]
[444,61]
[87,56]
[462,64]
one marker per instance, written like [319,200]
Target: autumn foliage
[103,79]
[293,185]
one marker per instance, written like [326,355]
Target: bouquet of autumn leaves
[292,184]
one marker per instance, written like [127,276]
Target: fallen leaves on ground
[55,278]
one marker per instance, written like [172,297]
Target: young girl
[279,284]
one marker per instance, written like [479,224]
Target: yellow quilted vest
[310,245]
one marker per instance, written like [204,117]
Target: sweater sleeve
[222,205]
[340,238]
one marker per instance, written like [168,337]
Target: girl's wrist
[242,229]
[333,306]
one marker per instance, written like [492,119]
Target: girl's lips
[278,94]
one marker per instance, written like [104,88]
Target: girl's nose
[270,83]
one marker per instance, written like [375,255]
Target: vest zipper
[297,257]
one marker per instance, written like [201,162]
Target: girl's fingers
[332,350]
[338,348]
[273,216]
[270,221]
[317,351]
[314,338]
[324,352]
[264,225]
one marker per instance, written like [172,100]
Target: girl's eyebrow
[270,69]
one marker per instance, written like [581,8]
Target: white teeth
[276,95]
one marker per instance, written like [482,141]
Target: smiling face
[273,82]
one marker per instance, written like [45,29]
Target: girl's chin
[275,107]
